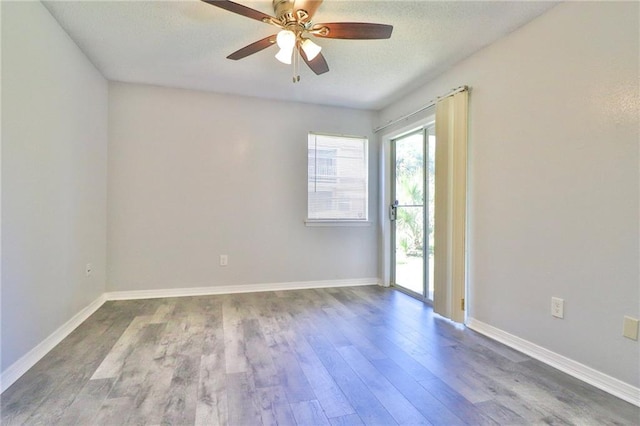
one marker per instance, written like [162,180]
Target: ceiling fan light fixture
[284,56]
[310,49]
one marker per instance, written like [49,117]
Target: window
[337,183]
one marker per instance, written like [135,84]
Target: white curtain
[450,206]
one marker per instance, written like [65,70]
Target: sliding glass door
[411,212]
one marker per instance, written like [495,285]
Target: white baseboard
[18,368]
[240,288]
[580,371]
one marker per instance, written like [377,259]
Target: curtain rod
[429,105]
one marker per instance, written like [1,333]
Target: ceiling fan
[294,18]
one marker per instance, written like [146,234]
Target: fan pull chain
[296,61]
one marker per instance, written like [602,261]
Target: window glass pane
[337,178]
[409,224]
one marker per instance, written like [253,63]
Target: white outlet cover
[557,307]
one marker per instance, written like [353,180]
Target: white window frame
[341,221]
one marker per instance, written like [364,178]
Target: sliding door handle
[393,210]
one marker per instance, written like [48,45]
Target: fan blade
[317,65]
[253,48]
[309,6]
[352,30]
[239,9]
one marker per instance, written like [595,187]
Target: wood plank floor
[344,356]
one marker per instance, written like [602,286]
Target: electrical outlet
[224,260]
[88,269]
[557,307]
[630,328]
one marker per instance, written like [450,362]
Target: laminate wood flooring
[343,356]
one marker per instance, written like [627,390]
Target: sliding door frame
[424,131]
[385,164]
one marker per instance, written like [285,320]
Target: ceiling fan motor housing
[283,10]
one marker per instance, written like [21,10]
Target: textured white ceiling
[184,44]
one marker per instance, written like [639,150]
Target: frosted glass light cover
[286,39]
[284,56]
[310,49]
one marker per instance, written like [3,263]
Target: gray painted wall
[553,181]
[193,175]
[54,162]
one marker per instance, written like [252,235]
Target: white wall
[54,149]
[554,184]
[193,175]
